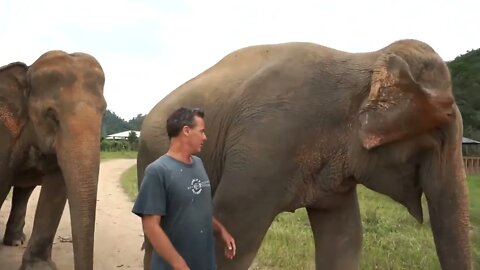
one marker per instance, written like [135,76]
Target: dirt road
[118,235]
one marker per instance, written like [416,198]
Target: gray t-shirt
[180,193]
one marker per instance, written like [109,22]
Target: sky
[147,48]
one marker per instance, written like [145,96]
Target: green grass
[119,154]
[129,182]
[392,239]
[288,243]
[474,202]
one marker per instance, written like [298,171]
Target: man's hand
[229,242]
[227,239]
[161,243]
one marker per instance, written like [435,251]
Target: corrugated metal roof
[123,134]
[469,141]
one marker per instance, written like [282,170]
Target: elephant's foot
[38,265]
[14,239]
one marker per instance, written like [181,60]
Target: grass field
[119,154]
[392,240]
[129,182]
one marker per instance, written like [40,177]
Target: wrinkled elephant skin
[50,121]
[300,125]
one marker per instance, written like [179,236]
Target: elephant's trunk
[447,204]
[79,158]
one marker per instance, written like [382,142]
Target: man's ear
[186,130]
[398,106]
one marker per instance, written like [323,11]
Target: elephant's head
[66,106]
[410,136]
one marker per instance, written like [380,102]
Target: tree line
[465,72]
[113,123]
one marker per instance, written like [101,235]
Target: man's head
[187,127]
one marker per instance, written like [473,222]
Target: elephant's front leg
[14,235]
[47,217]
[338,234]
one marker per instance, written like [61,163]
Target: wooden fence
[472,165]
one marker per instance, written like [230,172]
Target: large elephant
[300,125]
[50,122]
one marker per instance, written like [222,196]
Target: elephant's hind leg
[337,234]
[247,226]
[246,203]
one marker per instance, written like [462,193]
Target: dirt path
[118,234]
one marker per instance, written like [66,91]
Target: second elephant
[300,125]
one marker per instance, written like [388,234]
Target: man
[175,201]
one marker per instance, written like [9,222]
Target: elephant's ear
[398,106]
[13,97]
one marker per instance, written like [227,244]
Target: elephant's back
[219,90]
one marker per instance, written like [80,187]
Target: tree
[132,137]
[465,72]
[112,123]
[133,140]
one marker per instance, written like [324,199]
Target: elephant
[14,235]
[50,122]
[300,125]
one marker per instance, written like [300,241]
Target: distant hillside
[465,71]
[113,123]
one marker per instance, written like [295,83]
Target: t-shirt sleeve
[151,199]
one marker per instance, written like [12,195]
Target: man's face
[196,136]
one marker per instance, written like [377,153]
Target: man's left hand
[229,242]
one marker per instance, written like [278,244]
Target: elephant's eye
[52,115]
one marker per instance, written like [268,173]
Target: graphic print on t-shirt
[196,186]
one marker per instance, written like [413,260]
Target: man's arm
[161,243]
[222,232]
[217,226]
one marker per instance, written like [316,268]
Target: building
[471,159]
[121,135]
[470,147]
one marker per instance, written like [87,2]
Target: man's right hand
[161,243]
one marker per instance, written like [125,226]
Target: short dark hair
[182,117]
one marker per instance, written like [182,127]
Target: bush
[114,146]
[130,144]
